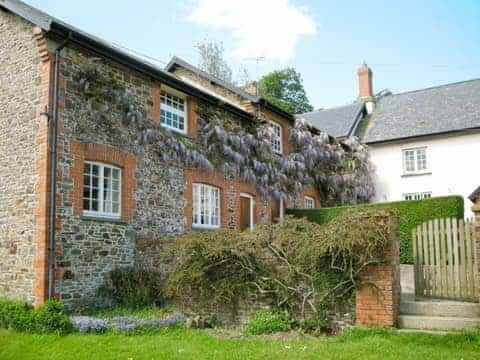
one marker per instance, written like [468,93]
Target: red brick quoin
[378,296]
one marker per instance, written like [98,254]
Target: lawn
[179,343]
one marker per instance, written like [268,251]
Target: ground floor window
[101,189]
[206,206]
[308,202]
[417,195]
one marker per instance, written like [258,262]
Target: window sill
[417,174]
[104,219]
[205,228]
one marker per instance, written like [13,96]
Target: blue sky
[408,44]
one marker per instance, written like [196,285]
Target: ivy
[341,173]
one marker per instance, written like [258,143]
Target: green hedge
[412,213]
[21,316]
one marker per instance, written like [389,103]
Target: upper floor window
[101,190]
[173,112]
[276,140]
[206,206]
[415,160]
[308,202]
[418,195]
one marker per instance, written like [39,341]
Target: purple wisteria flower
[86,324]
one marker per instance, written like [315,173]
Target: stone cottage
[76,198]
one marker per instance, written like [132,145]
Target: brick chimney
[365,82]
[251,88]
[365,87]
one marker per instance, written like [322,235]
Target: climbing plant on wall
[340,172]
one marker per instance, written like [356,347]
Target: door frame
[252,208]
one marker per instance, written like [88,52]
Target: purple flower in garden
[86,324]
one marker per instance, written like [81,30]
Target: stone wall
[19,153]
[88,249]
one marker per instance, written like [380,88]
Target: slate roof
[437,110]
[338,121]
[176,61]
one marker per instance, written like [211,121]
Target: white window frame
[276,141]
[173,111]
[252,208]
[101,171]
[417,195]
[306,200]
[207,206]
[415,152]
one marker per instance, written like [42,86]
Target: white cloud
[269,28]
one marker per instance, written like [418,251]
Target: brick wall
[378,297]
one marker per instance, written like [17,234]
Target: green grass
[180,343]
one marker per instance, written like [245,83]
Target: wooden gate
[445,263]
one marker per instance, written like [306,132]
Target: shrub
[21,316]
[50,317]
[16,315]
[297,266]
[412,213]
[267,322]
[132,287]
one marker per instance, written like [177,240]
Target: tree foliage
[212,60]
[284,88]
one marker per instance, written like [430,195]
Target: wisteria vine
[340,172]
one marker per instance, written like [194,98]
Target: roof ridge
[431,87]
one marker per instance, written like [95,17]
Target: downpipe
[53,170]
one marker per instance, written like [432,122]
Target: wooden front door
[246,215]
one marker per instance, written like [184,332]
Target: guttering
[53,171]
[424,136]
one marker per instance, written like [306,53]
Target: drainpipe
[53,171]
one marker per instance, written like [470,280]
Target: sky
[408,44]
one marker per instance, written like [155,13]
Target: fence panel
[445,262]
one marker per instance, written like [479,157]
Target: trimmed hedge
[412,213]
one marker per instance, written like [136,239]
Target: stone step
[440,308]
[437,323]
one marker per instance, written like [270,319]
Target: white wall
[451,161]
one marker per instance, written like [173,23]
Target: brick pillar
[476,212]
[378,296]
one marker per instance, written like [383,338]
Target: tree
[212,60]
[284,88]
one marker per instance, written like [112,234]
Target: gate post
[476,212]
[377,299]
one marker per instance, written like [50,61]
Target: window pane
[276,141]
[101,190]
[172,112]
[115,208]
[206,205]
[421,159]
[86,204]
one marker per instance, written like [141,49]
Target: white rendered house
[423,143]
